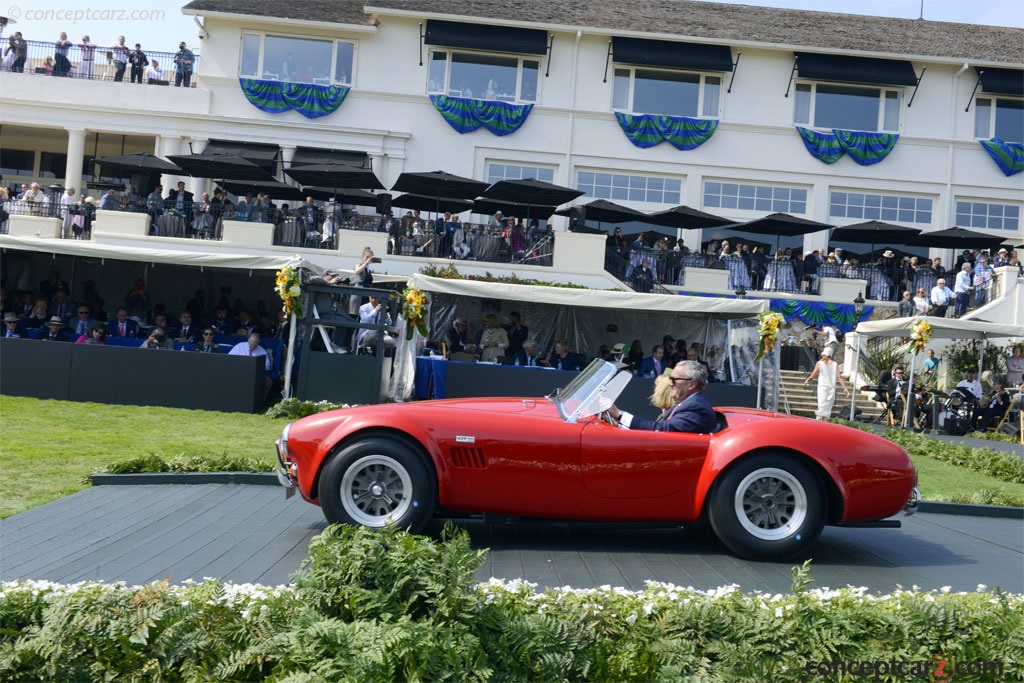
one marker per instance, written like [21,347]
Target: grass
[49,447]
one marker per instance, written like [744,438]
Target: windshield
[590,392]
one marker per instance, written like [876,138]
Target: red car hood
[506,405]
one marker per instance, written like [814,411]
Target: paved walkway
[247,533]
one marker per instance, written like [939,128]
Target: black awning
[1001,81]
[671,54]
[247,150]
[308,156]
[486,37]
[855,69]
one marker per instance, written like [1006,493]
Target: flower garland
[414,311]
[289,288]
[768,332]
[920,333]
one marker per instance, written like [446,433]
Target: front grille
[468,457]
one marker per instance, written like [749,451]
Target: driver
[690,412]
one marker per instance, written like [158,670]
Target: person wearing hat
[839,256]
[54,330]
[827,372]
[183,66]
[12,326]
[1002,258]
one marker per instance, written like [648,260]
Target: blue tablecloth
[431,379]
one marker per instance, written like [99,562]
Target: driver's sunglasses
[207,334]
[680,379]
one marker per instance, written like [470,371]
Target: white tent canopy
[942,328]
[174,257]
[691,306]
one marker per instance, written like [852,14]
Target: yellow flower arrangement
[920,333]
[414,311]
[289,287]
[768,331]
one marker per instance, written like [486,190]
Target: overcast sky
[159,25]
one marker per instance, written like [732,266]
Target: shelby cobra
[766,482]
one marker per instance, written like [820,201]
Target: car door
[634,464]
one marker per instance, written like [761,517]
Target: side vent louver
[468,457]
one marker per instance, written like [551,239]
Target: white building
[736,81]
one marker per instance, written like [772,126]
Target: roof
[942,328]
[685,19]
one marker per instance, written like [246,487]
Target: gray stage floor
[246,533]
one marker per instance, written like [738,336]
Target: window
[882,207]
[665,91]
[17,162]
[52,165]
[501,171]
[747,197]
[999,117]
[480,76]
[847,107]
[297,60]
[636,188]
[977,214]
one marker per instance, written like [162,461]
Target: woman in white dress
[827,372]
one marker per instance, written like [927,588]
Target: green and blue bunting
[466,115]
[1009,156]
[842,316]
[276,97]
[649,130]
[863,147]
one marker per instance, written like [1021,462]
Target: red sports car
[766,482]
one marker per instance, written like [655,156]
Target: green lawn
[48,447]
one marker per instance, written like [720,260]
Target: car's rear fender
[717,464]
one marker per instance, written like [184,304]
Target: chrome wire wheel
[770,504]
[375,489]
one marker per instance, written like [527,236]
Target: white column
[76,150]
[287,156]
[165,147]
[197,186]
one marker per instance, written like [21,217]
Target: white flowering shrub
[389,606]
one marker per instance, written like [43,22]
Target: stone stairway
[802,400]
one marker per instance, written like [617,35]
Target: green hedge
[386,606]
[1002,466]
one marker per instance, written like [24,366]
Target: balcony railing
[41,59]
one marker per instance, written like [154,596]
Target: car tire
[376,481]
[769,507]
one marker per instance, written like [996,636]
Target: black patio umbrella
[354,197]
[491,206]
[427,203]
[336,175]
[140,162]
[439,184]
[273,188]
[957,238]
[686,218]
[530,191]
[779,225]
[604,211]
[220,166]
[874,232]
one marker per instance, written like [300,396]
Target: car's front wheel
[768,507]
[378,480]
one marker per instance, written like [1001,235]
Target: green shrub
[192,463]
[294,409]
[375,606]
[1002,466]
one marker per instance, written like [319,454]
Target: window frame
[758,193]
[449,52]
[993,112]
[880,114]
[260,70]
[629,186]
[701,90]
[493,178]
[882,206]
[988,203]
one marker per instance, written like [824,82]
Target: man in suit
[653,365]
[12,326]
[692,411]
[181,201]
[187,332]
[527,355]
[122,326]
[83,322]
[55,330]
[205,342]
[562,358]
[62,306]
[517,332]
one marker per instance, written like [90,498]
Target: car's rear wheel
[376,481]
[769,507]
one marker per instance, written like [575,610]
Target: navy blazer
[131,329]
[647,368]
[693,414]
